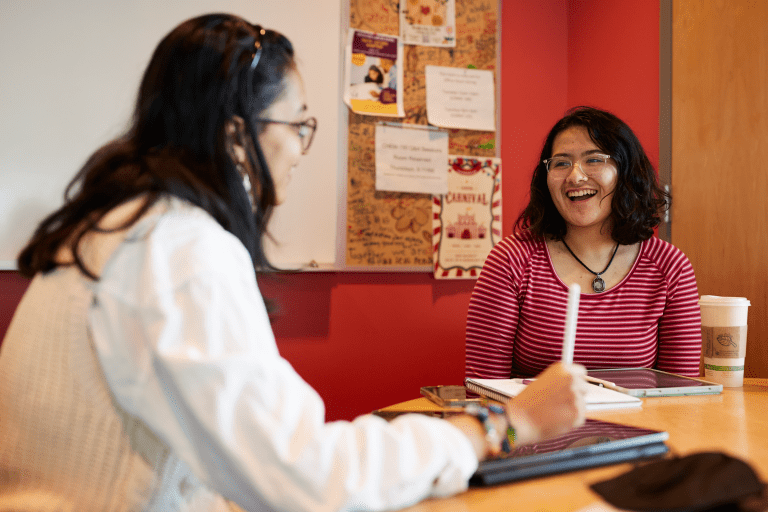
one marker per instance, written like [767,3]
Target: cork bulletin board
[393,230]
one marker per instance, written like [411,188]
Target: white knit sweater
[65,444]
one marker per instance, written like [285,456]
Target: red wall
[534,89]
[367,340]
[613,63]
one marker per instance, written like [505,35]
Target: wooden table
[734,422]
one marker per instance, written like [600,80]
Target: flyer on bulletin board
[460,98]
[428,22]
[467,219]
[374,74]
[411,159]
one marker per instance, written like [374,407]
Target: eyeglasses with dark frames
[304,129]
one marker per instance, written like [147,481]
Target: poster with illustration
[467,220]
[428,22]
[374,74]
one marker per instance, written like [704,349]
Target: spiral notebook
[598,398]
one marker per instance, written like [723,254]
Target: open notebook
[598,398]
[596,443]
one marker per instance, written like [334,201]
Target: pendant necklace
[598,285]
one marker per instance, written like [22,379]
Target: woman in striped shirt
[594,203]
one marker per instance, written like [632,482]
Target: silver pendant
[598,285]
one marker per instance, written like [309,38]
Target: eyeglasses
[305,129]
[562,166]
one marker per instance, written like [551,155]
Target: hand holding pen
[569,337]
[553,404]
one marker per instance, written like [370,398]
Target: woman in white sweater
[140,371]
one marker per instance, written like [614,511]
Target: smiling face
[281,143]
[583,201]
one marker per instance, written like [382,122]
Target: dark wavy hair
[199,77]
[637,201]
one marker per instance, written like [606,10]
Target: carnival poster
[467,219]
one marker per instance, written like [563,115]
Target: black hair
[379,79]
[199,78]
[637,200]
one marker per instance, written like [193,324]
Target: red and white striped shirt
[516,314]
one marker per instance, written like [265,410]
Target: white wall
[69,72]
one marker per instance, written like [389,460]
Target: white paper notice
[411,160]
[461,98]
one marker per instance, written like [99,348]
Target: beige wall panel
[720,154]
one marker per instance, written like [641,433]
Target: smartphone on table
[450,396]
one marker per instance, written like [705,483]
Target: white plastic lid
[715,300]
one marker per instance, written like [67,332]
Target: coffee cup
[724,338]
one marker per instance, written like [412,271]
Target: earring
[246,184]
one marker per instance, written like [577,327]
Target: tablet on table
[596,443]
[643,382]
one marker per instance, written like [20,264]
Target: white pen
[571,315]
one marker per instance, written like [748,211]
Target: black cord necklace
[598,285]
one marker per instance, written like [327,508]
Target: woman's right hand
[551,405]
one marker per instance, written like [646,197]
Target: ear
[235,133]
[237,140]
